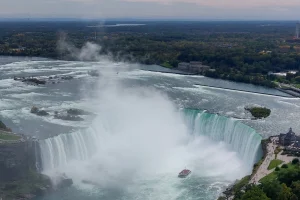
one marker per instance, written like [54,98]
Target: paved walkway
[263,169]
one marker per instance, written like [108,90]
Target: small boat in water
[184,173]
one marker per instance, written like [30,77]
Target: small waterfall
[81,145]
[60,150]
[239,137]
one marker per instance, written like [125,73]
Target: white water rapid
[139,141]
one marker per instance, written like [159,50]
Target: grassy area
[270,177]
[273,175]
[167,65]
[274,163]
[297,85]
[4,136]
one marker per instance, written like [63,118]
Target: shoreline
[20,175]
[267,94]
[261,168]
[179,72]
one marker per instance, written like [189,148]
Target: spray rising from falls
[140,139]
[138,143]
[84,144]
[239,137]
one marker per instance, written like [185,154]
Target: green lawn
[274,163]
[269,177]
[273,175]
[4,136]
[167,65]
[297,85]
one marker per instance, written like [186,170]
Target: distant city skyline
[153,9]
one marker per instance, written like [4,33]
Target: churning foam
[138,135]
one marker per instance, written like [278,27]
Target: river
[145,127]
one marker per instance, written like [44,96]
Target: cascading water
[239,137]
[82,145]
[139,141]
[60,150]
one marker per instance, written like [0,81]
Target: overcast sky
[175,9]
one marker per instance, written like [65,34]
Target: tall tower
[297,30]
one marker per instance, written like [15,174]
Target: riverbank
[230,89]
[274,152]
[274,158]
[239,185]
[293,93]
[174,70]
[20,176]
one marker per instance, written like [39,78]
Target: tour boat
[184,173]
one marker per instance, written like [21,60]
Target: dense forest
[238,51]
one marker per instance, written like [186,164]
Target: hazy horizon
[70,19]
[153,9]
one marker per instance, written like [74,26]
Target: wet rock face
[67,117]
[4,127]
[74,111]
[43,81]
[38,112]
[16,159]
[34,81]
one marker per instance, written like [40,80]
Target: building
[289,139]
[193,67]
[184,66]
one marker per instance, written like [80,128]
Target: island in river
[259,112]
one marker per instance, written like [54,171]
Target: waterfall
[60,150]
[239,137]
[81,145]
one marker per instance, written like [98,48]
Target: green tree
[284,166]
[296,188]
[287,176]
[271,188]
[285,193]
[277,169]
[297,79]
[255,193]
[289,76]
[294,197]
[295,161]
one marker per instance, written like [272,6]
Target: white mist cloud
[142,137]
[89,52]
[138,142]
